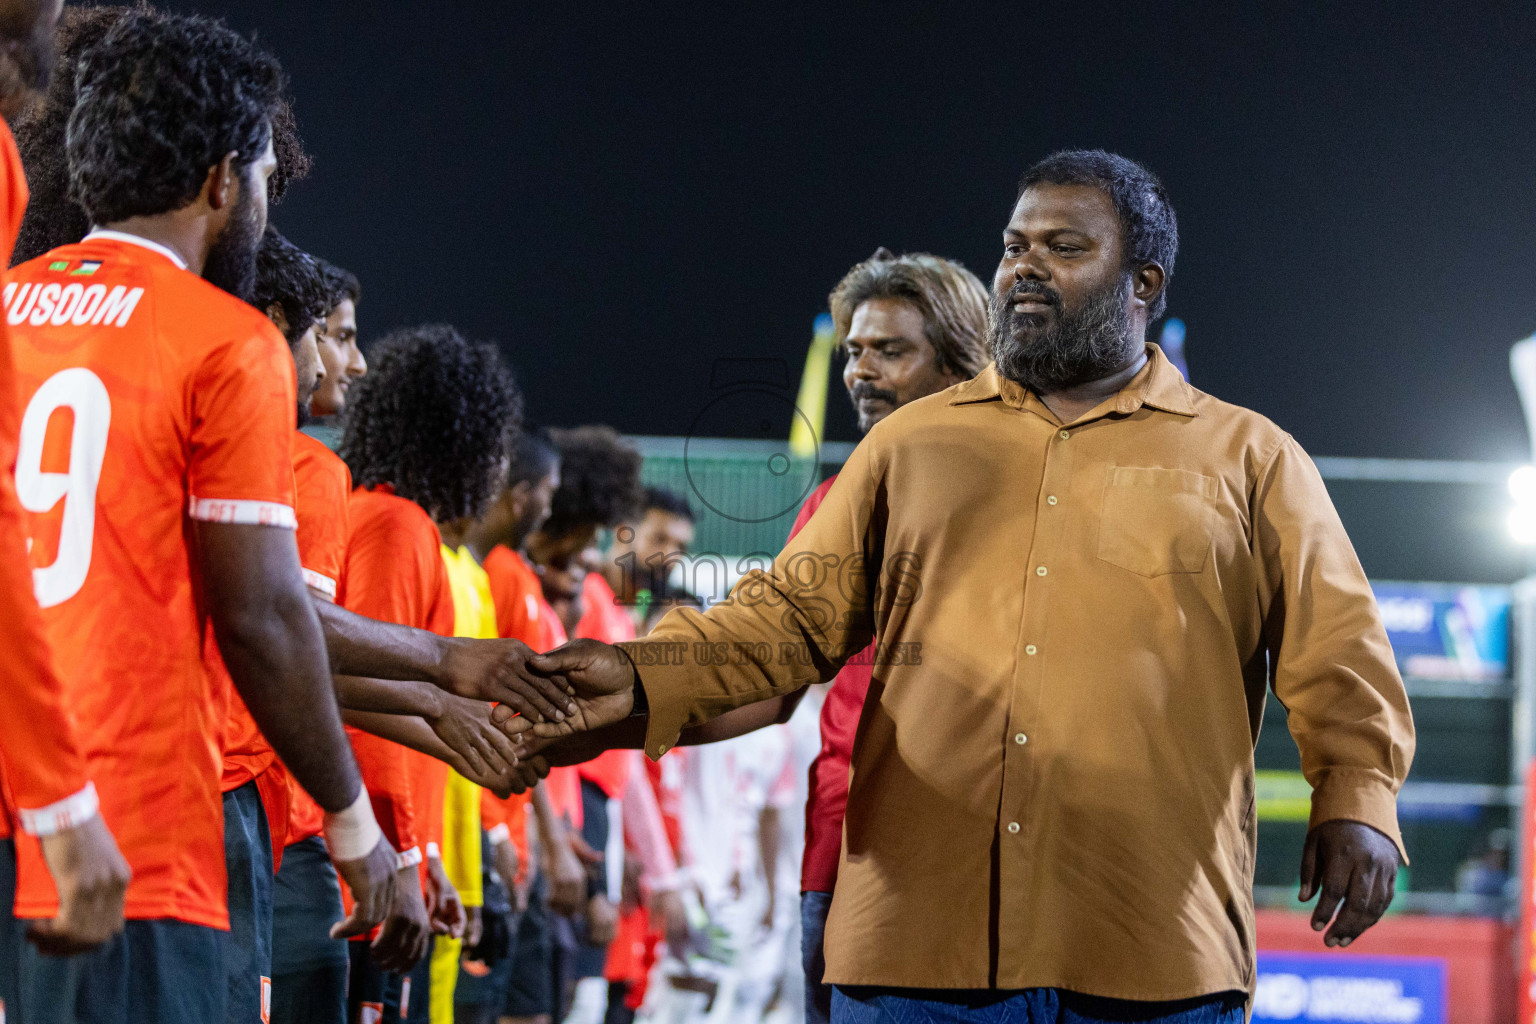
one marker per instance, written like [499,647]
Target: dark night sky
[619,196]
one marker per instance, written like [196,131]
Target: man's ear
[518,494]
[223,184]
[278,317]
[1147,283]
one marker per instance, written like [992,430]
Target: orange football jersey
[394,572]
[151,399]
[323,483]
[41,767]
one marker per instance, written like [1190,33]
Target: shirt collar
[1159,384]
[139,240]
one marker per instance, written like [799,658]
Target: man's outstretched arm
[270,639]
[781,630]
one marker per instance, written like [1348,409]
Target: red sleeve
[811,505]
[322,483]
[42,760]
[243,409]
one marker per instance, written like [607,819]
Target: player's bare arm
[490,670]
[271,643]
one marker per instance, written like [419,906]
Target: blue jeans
[813,927]
[859,1005]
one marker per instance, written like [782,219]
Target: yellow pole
[806,429]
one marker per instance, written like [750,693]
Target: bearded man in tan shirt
[1086,575]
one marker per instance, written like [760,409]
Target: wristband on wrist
[434,852]
[500,834]
[75,809]
[408,858]
[353,833]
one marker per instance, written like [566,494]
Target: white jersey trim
[324,584]
[144,243]
[73,810]
[242,513]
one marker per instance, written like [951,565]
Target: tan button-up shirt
[1052,782]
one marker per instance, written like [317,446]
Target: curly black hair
[159,100]
[673,504]
[53,217]
[534,456]
[1148,226]
[599,481]
[289,278]
[340,283]
[435,418]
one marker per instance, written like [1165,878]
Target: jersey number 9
[83,393]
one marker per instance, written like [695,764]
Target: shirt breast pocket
[1157,521]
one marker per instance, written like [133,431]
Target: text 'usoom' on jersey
[71,303]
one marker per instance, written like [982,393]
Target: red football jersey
[603,618]
[151,398]
[41,766]
[394,572]
[827,798]
[520,605]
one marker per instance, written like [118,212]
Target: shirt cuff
[1357,794]
[242,513]
[666,693]
[75,809]
[320,582]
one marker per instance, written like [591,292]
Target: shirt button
[1013,827]
[1064,435]
[1030,649]
[1051,500]
[1021,739]
[1040,571]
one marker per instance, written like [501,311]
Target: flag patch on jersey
[59,265]
[86,268]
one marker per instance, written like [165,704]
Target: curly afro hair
[159,100]
[53,217]
[435,419]
[289,278]
[340,283]
[599,481]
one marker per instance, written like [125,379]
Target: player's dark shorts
[248,861]
[13,933]
[309,968]
[530,989]
[155,972]
[591,957]
[372,989]
[409,997]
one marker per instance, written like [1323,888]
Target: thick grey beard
[1085,344]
